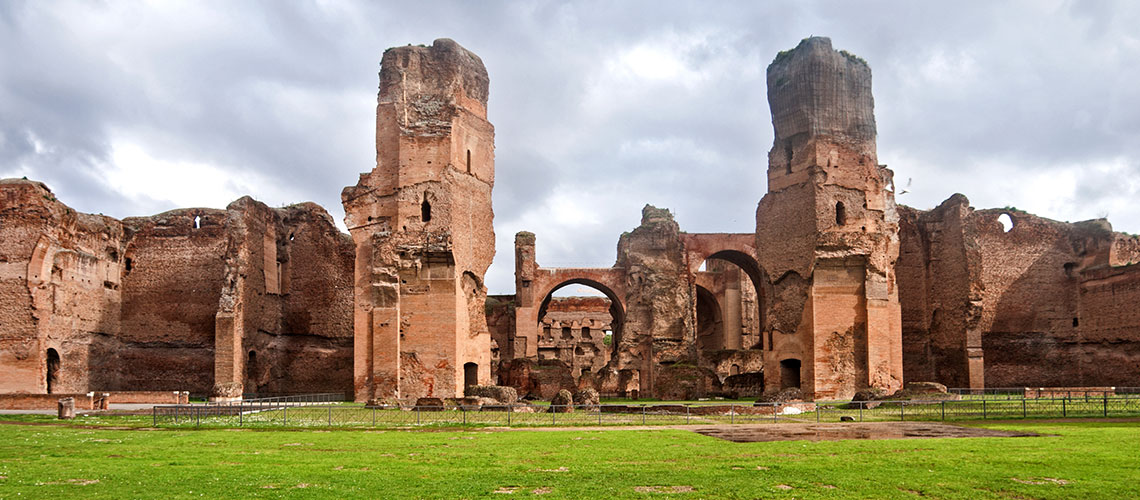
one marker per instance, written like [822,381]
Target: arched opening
[53,364]
[197,221]
[732,280]
[470,374]
[469,161]
[840,214]
[568,315]
[710,327]
[735,370]
[425,209]
[790,373]
[1006,222]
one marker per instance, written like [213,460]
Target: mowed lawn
[1077,460]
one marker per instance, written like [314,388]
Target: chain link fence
[318,414]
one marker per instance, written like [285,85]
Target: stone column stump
[67,408]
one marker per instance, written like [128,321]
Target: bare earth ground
[836,432]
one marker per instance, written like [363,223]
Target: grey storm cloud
[599,107]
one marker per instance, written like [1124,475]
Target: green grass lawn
[1077,460]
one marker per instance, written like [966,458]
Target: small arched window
[197,221]
[469,161]
[425,209]
[840,214]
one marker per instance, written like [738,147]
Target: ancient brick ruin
[837,290]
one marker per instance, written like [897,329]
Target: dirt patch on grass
[663,489]
[836,432]
[1039,481]
[78,482]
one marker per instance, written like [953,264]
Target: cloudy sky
[133,108]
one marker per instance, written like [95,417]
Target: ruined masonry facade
[837,290]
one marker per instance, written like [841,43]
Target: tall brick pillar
[422,224]
[827,230]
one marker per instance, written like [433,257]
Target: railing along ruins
[311,411]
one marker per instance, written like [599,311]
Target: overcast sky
[134,108]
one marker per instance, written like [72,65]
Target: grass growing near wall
[1078,460]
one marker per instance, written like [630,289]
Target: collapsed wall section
[1038,303]
[60,290]
[91,303]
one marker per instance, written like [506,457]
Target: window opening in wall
[566,333]
[292,236]
[470,374]
[840,214]
[469,161]
[770,347]
[53,363]
[546,332]
[197,221]
[585,332]
[608,338]
[128,264]
[1006,222]
[1076,322]
[790,373]
[735,370]
[425,209]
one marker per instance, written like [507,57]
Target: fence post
[599,413]
[330,416]
[197,417]
[1106,403]
[1024,413]
[241,416]
[285,416]
[775,413]
[943,410]
[732,414]
[983,409]
[818,409]
[464,410]
[686,414]
[510,410]
[154,409]
[373,416]
[417,415]
[861,411]
[902,411]
[1064,411]
[553,414]
[643,414]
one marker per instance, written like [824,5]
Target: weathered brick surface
[135,305]
[1044,304]
[422,224]
[827,230]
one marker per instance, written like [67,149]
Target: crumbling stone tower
[827,230]
[421,221]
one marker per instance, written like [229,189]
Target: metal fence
[1048,392]
[329,415]
[280,401]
